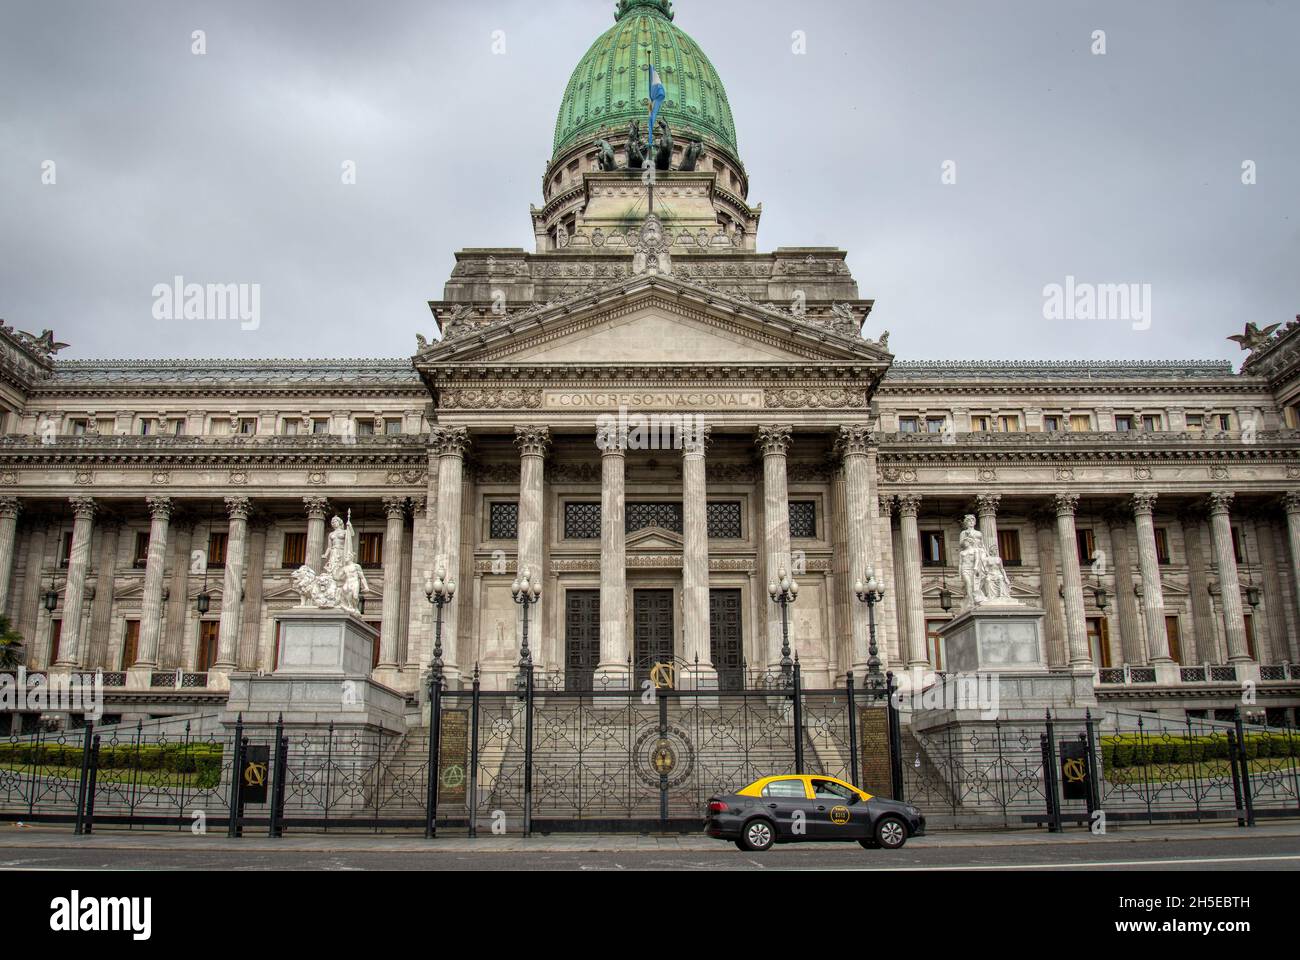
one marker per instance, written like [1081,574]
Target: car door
[786,801]
[838,812]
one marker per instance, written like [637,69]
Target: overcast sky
[1117,168]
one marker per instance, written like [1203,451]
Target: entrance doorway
[652,630]
[581,638]
[725,646]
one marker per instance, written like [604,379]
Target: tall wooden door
[652,630]
[725,644]
[581,638]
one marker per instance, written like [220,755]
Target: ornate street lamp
[439,590]
[945,595]
[784,591]
[526,593]
[871,593]
[50,599]
[1103,600]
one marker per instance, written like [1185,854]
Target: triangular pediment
[653,320]
[654,538]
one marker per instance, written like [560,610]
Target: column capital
[9,507]
[395,508]
[450,441]
[853,440]
[318,508]
[986,504]
[1291,501]
[418,505]
[532,441]
[83,508]
[612,450]
[1065,504]
[886,506]
[909,505]
[160,508]
[773,440]
[1220,502]
[1144,504]
[238,507]
[696,443]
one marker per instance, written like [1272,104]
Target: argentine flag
[657,96]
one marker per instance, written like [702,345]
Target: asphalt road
[1238,853]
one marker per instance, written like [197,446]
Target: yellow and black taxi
[799,808]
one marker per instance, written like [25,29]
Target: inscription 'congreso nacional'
[654,400]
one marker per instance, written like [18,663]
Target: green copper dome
[610,87]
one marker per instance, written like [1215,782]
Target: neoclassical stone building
[153,511]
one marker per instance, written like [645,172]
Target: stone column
[854,444]
[74,593]
[8,526]
[1291,501]
[232,591]
[1225,566]
[1128,645]
[451,444]
[613,565]
[986,508]
[1076,627]
[696,647]
[894,602]
[1153,594]
[181,534]
[318,509]
[160,512]
[94,652]
[251,630]
[533,443]
[909,506]
[1050,581]
[1273,649]
[774,441]
[1204,645]
[390,615]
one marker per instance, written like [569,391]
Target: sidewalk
[61,837]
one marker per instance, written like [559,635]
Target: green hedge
[1135,750]
[201,759]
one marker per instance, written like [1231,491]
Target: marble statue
[971,557]
[341,582]
[981,569]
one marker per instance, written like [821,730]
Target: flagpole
[650,138]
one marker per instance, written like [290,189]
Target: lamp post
[784,591]
[439,591]
[871,593]
[526,593]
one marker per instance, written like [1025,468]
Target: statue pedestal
[325,643]
[995,638]
[323,676]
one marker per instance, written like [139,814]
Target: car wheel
[891,833]
[758,835]
[869,845]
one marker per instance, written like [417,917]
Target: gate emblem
[663,676]
[669,755]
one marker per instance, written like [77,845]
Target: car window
[830,790]
[785,788]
